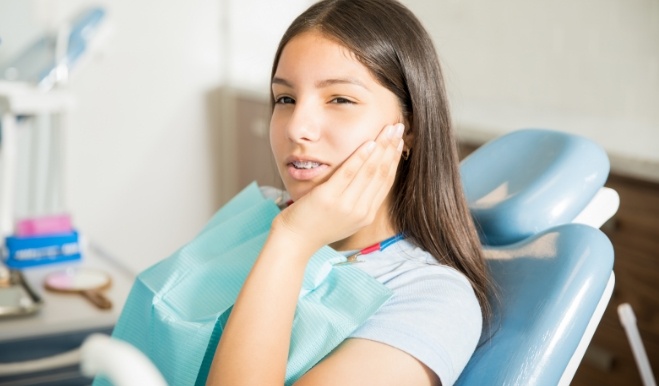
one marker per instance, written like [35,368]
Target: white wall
[590,67]
[15,35]
[140,178]
[253,29]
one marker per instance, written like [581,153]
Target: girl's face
[327,104]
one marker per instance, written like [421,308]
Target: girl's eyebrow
[323,83]
[330,82]
[281,81]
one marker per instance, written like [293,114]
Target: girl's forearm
[254,346]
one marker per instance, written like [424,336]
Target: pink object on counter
[46,225]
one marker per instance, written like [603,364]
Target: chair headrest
[530,180]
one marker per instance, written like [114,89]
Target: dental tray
[16,296]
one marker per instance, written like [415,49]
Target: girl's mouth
[306,170]
[305,164]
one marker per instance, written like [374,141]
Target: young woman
[361,135]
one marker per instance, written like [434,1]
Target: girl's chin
[296,192]
[297,189]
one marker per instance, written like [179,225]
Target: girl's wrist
[282,234]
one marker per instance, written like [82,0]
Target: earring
[406,154]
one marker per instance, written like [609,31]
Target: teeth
[305,164]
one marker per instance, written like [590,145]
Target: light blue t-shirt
[433,314]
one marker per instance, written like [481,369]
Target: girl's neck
[380,229]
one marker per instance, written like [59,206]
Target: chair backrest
[549,287]
[554,278]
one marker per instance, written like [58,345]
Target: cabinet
[245,142]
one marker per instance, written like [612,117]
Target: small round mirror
[85,281]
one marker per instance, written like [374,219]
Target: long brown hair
[428,200]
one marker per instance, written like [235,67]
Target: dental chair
[537,199]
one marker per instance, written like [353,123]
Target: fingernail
[370,146]
[390,131]
[400,129]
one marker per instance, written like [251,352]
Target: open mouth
[305,170]
[305,164]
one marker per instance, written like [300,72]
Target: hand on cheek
[350,198]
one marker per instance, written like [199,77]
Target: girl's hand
[350,198]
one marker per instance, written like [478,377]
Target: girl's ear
[408,136]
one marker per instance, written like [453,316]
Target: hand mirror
[85,281]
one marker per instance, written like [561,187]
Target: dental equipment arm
[69,358]
[99,354]
[119,361]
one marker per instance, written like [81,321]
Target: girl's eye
[339,100]
[284,100]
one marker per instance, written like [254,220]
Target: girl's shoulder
[433,314]
[407,262]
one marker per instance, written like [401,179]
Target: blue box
[29,251]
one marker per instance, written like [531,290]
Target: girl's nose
[304,124]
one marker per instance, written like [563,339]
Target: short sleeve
[433,315]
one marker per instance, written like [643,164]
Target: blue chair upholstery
[549,287]
[554,278]
[531,180]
